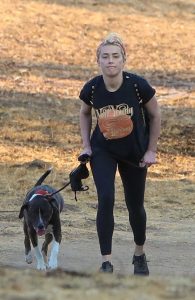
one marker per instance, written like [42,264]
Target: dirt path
[170,251]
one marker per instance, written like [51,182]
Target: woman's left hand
[148,159]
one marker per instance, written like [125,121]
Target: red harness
[39,192]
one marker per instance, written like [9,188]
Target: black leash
[79,173]
[64,186]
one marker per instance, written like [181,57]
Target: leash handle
[83,189]
[81,172]
[84,158]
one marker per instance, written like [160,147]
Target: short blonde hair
[112,39]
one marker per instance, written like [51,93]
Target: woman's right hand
[85,155]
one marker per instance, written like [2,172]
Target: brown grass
[47,53]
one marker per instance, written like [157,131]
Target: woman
[119,140]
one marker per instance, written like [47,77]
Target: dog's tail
[42,178]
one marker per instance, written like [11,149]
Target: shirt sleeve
[145,89]
[86,92]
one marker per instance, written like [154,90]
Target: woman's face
[111,60]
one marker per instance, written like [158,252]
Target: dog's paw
[41,265]
[53,264]
[29,258]
[53,260]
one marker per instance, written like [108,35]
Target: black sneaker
[140,265]
[106,267]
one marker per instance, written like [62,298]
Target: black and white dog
[41,214]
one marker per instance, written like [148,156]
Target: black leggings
[104,169]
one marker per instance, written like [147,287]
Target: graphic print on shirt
[115,120]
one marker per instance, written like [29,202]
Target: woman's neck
[112,84]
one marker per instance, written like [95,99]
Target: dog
[41,212]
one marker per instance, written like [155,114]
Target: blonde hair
[112,39]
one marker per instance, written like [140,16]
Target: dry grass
[46,56]
[47,53]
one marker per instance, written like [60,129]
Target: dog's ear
[21,213]
[53,203]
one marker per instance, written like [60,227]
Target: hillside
[47,53]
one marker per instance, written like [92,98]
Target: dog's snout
[40,229]
[40,226]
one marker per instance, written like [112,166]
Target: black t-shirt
[133,90]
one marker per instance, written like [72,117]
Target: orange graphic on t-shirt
[115,124]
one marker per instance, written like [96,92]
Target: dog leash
[79,173]
[82,189]
[63,187]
